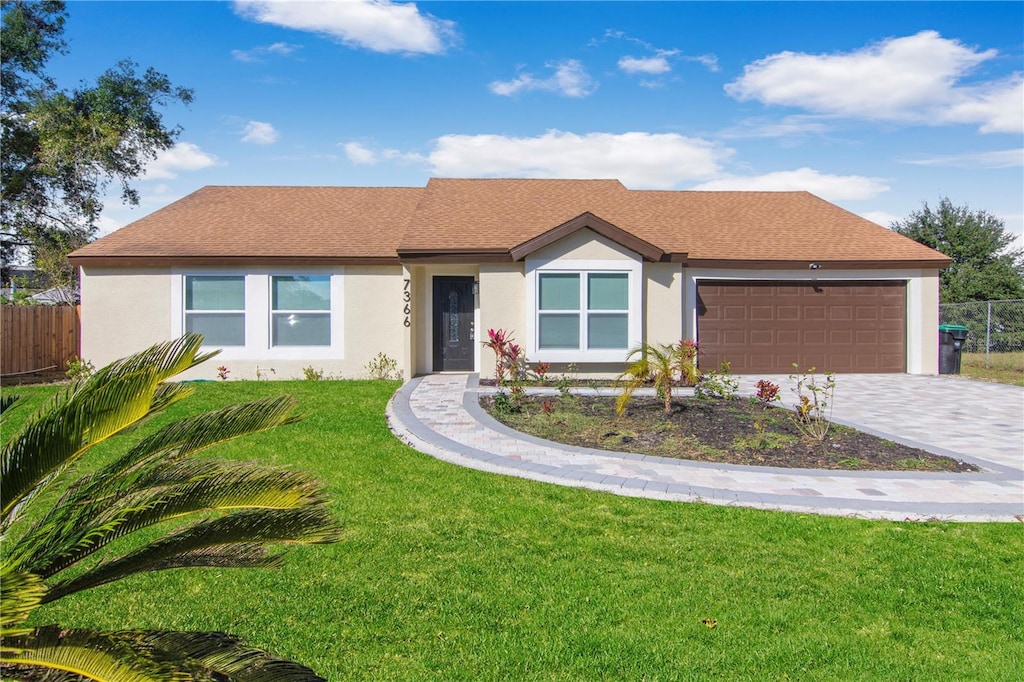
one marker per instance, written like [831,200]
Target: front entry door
[454,337]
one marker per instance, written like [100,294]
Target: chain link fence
[994,326]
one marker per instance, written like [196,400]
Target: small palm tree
[664,365]
[233,511]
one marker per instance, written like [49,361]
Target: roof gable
[646,250]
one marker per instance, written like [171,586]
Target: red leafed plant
[767,392]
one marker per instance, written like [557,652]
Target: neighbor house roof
[499,220]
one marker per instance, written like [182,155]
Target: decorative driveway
[978,422]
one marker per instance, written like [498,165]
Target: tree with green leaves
[986,266]
[63,532]
[61,149]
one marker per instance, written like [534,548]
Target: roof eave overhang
[646,250]
[414,256]
[818,266]
[103,261]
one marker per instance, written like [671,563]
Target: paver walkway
[979,422]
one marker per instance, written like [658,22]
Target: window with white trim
[582,310]
[288,314]
[300,310]
[215,308]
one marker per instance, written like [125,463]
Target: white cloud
[183,156]
[1003,158]
[997,106]
[881,218]
[377,25]
[259,132]
[259,53]
[570,79]
[649,65]
[359,154]
[790,126]
[362,155]
[639,160]
[830,187]
[914,79]
[709,61]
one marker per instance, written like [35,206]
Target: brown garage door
[834,326]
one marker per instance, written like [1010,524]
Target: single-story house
[580,271]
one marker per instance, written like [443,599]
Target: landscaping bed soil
[712,430]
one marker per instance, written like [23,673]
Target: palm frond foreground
[228,514]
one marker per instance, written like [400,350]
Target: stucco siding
[663,302]
[583,245]
[374,317]
[502,306]
[123,312]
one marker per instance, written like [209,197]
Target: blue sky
[874,106]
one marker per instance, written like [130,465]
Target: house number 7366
[407,299]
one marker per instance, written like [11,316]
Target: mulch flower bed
[712,430]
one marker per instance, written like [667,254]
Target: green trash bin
[951,343]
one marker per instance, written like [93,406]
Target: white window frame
[274,311]
[258,311]
[630,267]
[234,311]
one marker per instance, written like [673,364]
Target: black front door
[453,324]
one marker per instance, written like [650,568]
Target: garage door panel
[813,337]
[734,312]
[840,313]
[734,337]
[833,326]
[840,337]
[787,312]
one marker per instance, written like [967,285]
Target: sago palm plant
[663,365]
[213,513]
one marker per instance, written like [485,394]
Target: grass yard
[1004,368]
[453,574]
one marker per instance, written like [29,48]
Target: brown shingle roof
[494,216]
[268,222]
[770,226]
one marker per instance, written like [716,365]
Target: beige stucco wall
[923,323]
[583,244]
[502,306]
[663,302]
[374,317]
[123,311]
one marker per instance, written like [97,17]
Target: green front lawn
[453,574]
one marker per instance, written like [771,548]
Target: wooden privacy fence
[37,338]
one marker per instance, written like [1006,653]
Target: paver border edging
[989,470]
[408,428]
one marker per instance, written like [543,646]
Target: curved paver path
[978,422]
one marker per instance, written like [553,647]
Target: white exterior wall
[922,337]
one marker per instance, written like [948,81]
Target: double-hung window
[215,308]
[583,311]
[263,314]
[300,310]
